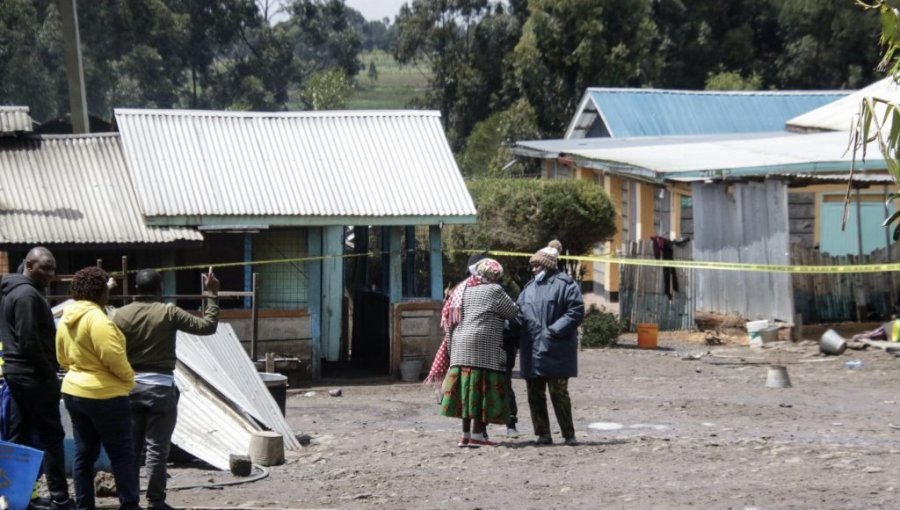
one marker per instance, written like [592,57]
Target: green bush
[523,215]
[600,328]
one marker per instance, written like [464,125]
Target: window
[282,285]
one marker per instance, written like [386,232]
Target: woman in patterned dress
[474,389]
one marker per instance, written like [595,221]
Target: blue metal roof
[654,112]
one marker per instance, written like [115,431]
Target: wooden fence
[844,297]
[819,298]
[642,297]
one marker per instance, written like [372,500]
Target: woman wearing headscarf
[474,389]
[441,363]
[95,390]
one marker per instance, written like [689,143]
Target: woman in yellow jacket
[95,390]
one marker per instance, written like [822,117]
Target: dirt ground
[658,429]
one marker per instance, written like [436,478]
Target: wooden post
[892,295]
[125,294]
[74,68]
[254,317]
[860,291]
[314,297]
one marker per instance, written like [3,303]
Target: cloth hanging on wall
[664,249]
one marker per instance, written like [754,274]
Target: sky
[377,9]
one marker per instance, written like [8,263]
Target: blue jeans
[154,411]
[106,422]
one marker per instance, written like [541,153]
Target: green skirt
[475,393]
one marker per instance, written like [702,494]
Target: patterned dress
[474,386]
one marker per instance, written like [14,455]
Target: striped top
[477,341]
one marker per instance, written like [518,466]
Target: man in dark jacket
[550,310]
[28,333]
[150,327]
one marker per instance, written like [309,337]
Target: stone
[240,465]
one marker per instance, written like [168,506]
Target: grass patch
[395,87]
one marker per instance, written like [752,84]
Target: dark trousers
[510,394]
[559,397]
[105,422]
[34,421]
[154,411]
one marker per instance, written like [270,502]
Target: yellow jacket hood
[92,349]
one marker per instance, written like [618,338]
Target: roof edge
[307,221]
[276,115]
[627,90]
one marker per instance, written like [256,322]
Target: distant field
[395,87]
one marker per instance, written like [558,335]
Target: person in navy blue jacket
[550,310]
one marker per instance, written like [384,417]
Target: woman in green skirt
[474,388]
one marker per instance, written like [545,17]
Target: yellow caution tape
[612,259]
[724,266]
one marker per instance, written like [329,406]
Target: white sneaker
[512,432]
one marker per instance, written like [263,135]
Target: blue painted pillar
[248,269]
[314,296]
[436,262]
[395,264]
[332,291]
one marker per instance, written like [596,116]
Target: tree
[25,52]
[323,37]
[327,90]
[213,26]
[259,75]
[826,44]
[373,72]
[729,80]
[522,215]
[569,45]
[879,121]
[487,148]
[464,43]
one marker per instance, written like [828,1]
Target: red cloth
[451,314]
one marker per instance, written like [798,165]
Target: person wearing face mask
[550,310]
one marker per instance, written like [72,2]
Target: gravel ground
[683,426]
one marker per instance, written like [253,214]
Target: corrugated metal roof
[840,178]
[207,427]
[549,149]
[785,153]
[15,119]
[368,165]
[655,112]
[72,189]
[223,363]
[839,115]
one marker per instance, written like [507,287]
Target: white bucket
[777,377]
[754,331]
[832,343]
[769,334]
